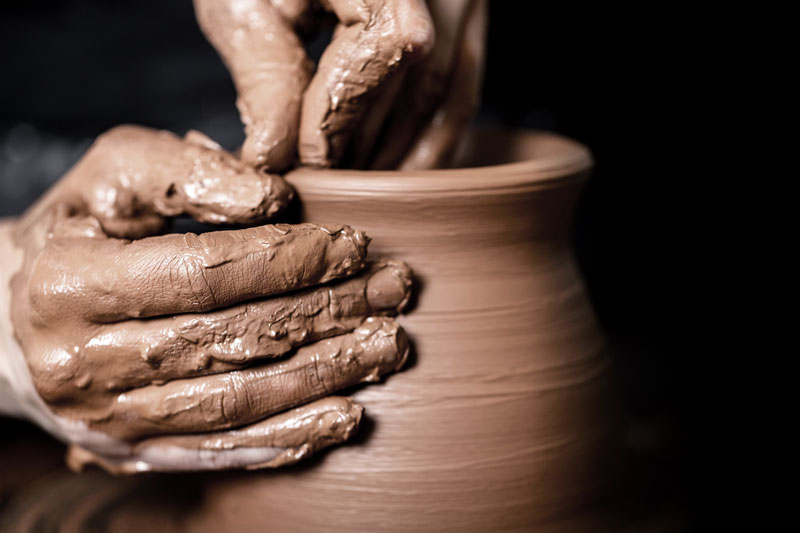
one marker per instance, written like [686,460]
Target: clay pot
[506,417]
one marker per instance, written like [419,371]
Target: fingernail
[390,287]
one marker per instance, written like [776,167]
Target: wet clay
[132,178]
[507,419]
[257,40]
[440,94]
[374,39]
[164,336]
[245,396]
[375,348]
[280,104]
[280,440]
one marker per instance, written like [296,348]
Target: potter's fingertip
[357,412]
[359,239]
[362,240]
[269,147]
[279,195]
[343,419]
[403,347]
[389,288]
[353,411]
[385,343]
[353,420]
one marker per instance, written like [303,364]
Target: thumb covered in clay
[133,179]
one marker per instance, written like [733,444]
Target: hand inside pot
[184,351]
[396,70]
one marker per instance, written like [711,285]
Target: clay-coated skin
[116,345]
[276,441]
[441,93]
[366,77]
[374,39]
[507,420]
[257,40]
[133,178]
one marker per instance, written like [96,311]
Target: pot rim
[554,159]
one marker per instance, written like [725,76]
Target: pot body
[506,417]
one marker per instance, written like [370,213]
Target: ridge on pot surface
[507,416]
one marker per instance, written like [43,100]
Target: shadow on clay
[417,286]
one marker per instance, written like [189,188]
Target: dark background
[72,69]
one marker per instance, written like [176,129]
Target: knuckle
[415,40]
[185,275]
[54,374]
[234,402]
[320,378]
[48,284]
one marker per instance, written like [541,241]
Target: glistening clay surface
[506,418]
[132,177]
[279,101]
[165,335]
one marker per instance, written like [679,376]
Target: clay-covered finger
[279,440]
[438,141]
[427,83]
[182,346]
[108,280]
[132,174]
[377,38]
[232,399]
[258,42]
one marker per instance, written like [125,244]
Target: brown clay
[132,178]
[506,420]
[121,340]
[280,103]
[375,39]
[258,42]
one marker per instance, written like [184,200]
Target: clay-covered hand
[396,70]
[184,351]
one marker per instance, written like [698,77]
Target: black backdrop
[71,69]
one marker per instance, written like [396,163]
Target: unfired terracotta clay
[506,419]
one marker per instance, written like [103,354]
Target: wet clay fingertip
[388,344]
[347,251]
[279,195]
[361,241]
[269,146]
[353,416]
[389,288]
[403,347]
